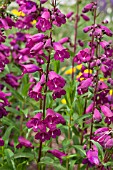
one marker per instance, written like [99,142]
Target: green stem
[75,35]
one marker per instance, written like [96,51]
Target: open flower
[92,157]
[60,52]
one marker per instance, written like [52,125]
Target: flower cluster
[46,128]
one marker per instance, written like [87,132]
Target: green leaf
[100,149]
[7,134]
[81,118]
[46,160]
[58,167]
[9,156]
[24,155]
[7,121]
[80,149]
[12,110]
[14,92]
[66,143]
[5,167]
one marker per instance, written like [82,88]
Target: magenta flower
[1,142]
[58,93]
[30,68]
[83,56]
[6,23]
[55,81]
[28,7]
[64,40]
[46,128]
[25,22]
[58,154]
[92,158]
[58,18]
[43,24]
[35,91]
[43,136]
[68,15]
[109,143]
[87,29]
[106,111]
[24,142]
[88,7]
[32,39]
[3,102]
[36,48]
[104,137]
[34,122]
[12,80]
[85,17]
[97,115]
[90,108]
[60,52]
[106,30]
[43,1]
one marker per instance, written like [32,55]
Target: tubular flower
[60,52]
[58,154]
[46,128]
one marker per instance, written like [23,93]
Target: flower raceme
[46,128]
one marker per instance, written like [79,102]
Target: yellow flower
[18,13]
[63,101]
[103,79]
[63,68]
[33,22]
[79,66]
[69,71]
[88,71]
[111,92]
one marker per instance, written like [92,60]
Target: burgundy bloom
[83,56]
[24,142]
[60,52]
[6,23]
[43,1]
[12,80]
[34,122]
[25,22]
[32,39]
[28,7]
[55,81]
[30,68]
[58,154]
[43,136]
[35,91]
[58,18]
[1,142]
[58,93]
[43,24]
